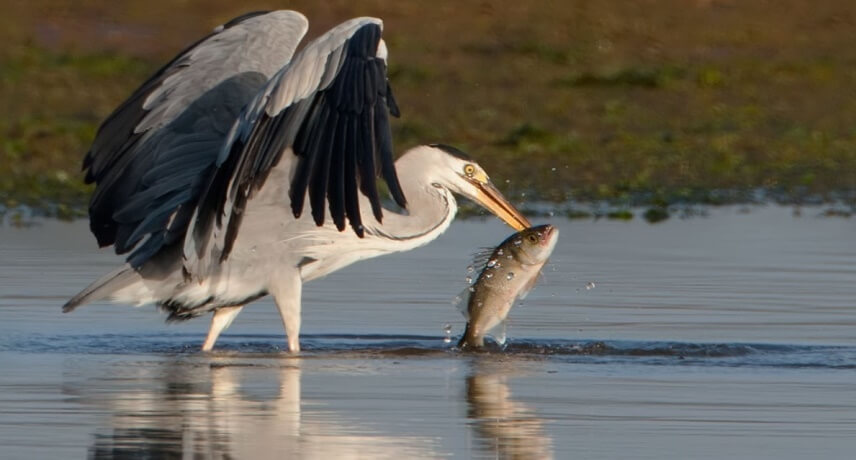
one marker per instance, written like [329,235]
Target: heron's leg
[222,318]
[286,293]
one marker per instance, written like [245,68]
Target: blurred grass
[670,100]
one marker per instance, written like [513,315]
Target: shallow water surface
[732,336]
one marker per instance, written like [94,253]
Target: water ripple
[414,346]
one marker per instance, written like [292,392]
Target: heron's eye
[532,238]
[469,170]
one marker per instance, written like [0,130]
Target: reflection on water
[726,337]
[504,428]
[226,409]
[214,411]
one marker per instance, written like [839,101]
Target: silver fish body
[510,272]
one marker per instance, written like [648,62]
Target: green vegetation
[620,214]
[656,214]
[637,104]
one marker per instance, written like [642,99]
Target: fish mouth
[551,236]
[488,196]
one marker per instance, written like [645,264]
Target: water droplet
[469,279]
[471,289]
[471,269]
[509,257]
[551,214]
[480,304]
[456,300]
[497,265]
[553,169]
[517,242]
[507,181]
[491,263]
[590,285]
[488,275]
[447,330]
[500,252]
[509,276]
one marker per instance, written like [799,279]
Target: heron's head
[453,169]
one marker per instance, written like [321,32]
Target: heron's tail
[117,279]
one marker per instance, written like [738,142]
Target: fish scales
[509,273]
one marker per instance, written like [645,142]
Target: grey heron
[202,174]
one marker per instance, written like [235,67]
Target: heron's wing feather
[171,168]
[324,118]
[149,155]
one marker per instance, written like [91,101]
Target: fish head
[535,244]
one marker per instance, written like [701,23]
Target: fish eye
[532,238]
[469,170]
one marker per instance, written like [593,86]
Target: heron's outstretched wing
[329,108]
[150,158]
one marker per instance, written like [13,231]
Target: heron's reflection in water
[504,428]
[217,410]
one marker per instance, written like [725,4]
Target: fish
[507,273]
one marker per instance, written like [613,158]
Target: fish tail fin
[101,288]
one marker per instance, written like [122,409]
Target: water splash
[590,285]
[447,331]
[509,276]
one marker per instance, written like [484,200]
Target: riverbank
[662,102]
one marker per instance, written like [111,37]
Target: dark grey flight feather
[337,126]
[117,139]
[151,157]
[168,169]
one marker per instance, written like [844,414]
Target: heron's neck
[430,210]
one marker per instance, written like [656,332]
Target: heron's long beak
[489,197]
